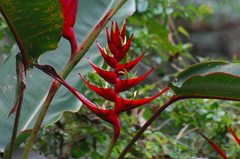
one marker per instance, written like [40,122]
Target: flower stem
[15,128]
[113,141]
[55,86]
[21,85]
[110,147]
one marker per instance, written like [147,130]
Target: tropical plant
[38,26]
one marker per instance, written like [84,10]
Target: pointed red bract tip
[234,135]
[214,145]
[123,33]
[121,53]
[127,66]
[124,85]
[106,93]
[116,37]
[108,76]
[108,59]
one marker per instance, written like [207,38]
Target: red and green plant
[215,80]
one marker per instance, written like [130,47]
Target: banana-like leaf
[36,25]
[219,80]
[38,83]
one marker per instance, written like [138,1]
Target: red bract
[234,135]
[215,146]
[70,13]
[118,49]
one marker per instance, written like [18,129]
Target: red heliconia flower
[70,12]
[118,49]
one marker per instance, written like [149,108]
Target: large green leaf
[89,13]
[219,80]
[36,25]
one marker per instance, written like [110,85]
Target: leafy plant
[211,80]
[38,85]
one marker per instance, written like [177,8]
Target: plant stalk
[15,128]
[21,85]
[55,86]
[75,58]
[110,147]
[113,141]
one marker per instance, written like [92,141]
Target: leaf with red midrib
[34,34]
[219,80]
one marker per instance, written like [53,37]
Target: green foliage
[154,28]
[211,117]
[175,132]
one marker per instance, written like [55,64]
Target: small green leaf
[192,8]
[183,31]
[206,9]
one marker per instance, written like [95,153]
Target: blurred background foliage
[173,34]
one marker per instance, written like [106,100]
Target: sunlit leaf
[206,9]
[183,31]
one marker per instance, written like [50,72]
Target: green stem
[55,86]
[75,58]
[145,126]
[113,141]
[110,148]
[15,128]
[21,85]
